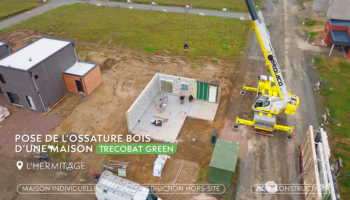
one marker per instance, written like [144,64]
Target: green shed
[223,162]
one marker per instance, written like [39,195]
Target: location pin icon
[19,165]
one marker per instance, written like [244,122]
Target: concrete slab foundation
[202,110]
[176,115]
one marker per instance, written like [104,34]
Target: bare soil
[125,74]
[21,122]
[237,135]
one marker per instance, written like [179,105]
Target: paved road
[57,3]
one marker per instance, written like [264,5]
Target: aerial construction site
[197,100]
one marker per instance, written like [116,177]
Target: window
[36,77]
[2,79]
[184,86]
[30,102]
[14,98]
[166,86]
[259,103]
[266,103]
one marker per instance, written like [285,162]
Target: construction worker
[185,48]
[190,98]
[182,99]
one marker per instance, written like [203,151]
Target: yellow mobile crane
[272,95]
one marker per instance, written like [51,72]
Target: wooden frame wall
[309,162]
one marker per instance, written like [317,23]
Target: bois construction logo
[289,189]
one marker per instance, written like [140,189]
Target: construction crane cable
[186,21]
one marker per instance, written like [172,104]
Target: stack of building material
[3,113]
[159,165]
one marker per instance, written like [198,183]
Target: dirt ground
[20,122]
[125,73]
[235,135]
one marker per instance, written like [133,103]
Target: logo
[19,165]
[275,69]
[289,188]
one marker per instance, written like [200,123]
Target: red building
[337,32]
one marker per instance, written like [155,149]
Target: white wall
[139,107]
[145,99]
[177,84]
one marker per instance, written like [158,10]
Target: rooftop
[340,37]
[339,10]
[320,5]
[225,155]
[80,68]
[339,22]
[33,53]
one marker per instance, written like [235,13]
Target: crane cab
[261,103]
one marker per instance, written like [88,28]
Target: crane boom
[263,35]
[272,96]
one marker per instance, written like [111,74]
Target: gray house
[335,9]
[31,77]
[5,49]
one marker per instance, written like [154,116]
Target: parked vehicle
[111,186]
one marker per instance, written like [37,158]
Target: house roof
[340,37]
[339,9]
[80,68]
[339,22]
[225,155]
[320,5]
[33,53]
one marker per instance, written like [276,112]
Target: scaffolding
[316,167]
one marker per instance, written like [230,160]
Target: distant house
[337,32]
[32,77]
[5,49]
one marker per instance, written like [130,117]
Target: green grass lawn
[232,5]
[336,73]
[152,31]
[12,7]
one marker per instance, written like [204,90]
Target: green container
[223,162]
